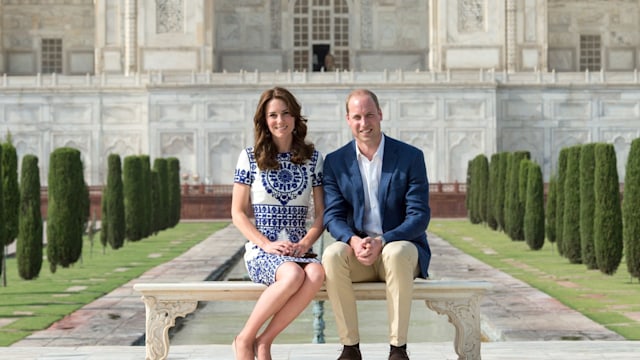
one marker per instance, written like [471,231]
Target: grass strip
[28,306]
[611,301]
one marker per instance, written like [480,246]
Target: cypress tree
[534,208]
[469,194]
[508,198]
[607,236]
[113,219]
[493,189]
[550,214]
[562,167]
[146,189]
[587,204]
[175,198]
[514,209]
[11,191]
[67,207]
[523,179]
[631,210]
[162,170]
[2,220]
[156,202]
[134,198]
[29,246]
[503,159]
[483,187]
[571,216]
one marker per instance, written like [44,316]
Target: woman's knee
[291,274]
[315,273]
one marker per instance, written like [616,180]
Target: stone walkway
[519,321]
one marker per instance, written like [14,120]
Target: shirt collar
[379,153]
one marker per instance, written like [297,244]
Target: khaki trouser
[397,266]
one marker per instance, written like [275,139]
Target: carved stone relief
[366,24]
[22,114]
[122,113]
[67,113]
[169,16]
[180,145]
[463,147]
[276,24]
[471,15]
[223,150]
[426,141]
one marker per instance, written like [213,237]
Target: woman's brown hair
[265,149]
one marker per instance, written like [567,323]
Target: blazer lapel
[389,163]
[358,191]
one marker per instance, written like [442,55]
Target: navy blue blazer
[403,195]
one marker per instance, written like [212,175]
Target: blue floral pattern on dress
[280,201]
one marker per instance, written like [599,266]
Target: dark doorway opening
[320,51]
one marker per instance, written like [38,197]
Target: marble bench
[164,302]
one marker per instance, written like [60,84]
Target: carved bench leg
[161,315]
[464,314]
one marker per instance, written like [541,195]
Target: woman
[276,181]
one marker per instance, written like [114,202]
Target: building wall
[205,120]
[616,21]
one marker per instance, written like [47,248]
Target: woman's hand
[279,247]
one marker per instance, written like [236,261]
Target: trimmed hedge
[551,217]
[534,207]
[587,204]
[572,248]
[29,247]
[11,191]
[134,198]
[562,168]
[608,214]
[175,197]
[631,210]
[67,207]
[113,218]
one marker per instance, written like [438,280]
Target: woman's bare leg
[314,277]
[289,278]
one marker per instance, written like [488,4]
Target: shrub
[113,219]
[631,210]
[562,168]
[503,160]
[67,207]
[534,208]
[607,236]
[134,198]
[29,246]
[514,208]
[161,167]
[571,214]
[550,214]
[587,204]
[494,172]
[175,198]
[11,191]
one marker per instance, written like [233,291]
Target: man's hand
[367,250]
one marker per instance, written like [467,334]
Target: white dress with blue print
[280,199]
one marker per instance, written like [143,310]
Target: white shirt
[370,171]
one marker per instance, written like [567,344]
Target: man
[377,208]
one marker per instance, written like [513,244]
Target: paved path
[515,317]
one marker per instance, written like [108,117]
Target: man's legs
[342,269]
[399,269]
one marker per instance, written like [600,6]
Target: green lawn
[28,306]
[613,301]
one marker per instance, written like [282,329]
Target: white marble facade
[206,119]
[182,78]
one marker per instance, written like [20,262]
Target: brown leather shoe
[350,352]
[398,353]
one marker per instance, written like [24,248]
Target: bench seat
[164,302]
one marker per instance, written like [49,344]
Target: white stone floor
[528,350]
